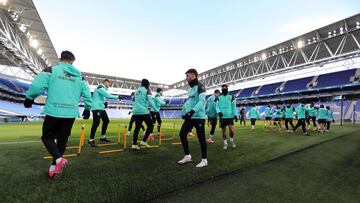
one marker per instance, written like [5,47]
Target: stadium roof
[332,42]
[118,82]
[25,44]
[24,41]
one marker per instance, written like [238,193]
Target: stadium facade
[322,66]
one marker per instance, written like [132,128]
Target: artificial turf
[132,176]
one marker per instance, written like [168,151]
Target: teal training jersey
[254,113]
[158,102]
[226,105]
[64,85]
[300,111]
[322,113]
[211,107]
[99,97]
[142,100]
[267,112]
[289,112]
[196,101]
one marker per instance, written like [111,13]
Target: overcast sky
[160,39]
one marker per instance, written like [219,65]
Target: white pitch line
[34,141]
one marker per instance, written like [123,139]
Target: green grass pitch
[133,176]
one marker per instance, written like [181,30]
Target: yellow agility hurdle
[118,138]
[159,140]
[118,141]
[189,135]
[170,138]
[79,147]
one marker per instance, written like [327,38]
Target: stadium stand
[296,85]
[277,59]
[12,91]
[269,89]
[247,92]
[19,109]
[335,79]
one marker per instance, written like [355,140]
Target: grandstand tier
[335,79]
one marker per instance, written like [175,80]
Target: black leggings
[287,121]
[328,125]
[97,114]
[59,129]
[132,120]
[186,127]
[138,123]
[213,123]
[155,117]
[253,120]
[301,122]
[313,119]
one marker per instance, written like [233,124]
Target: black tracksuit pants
[186,127]
[155,117]
[132,120]
[313,119]
[252,120]
[139,119]
[213,123]
[287,121]
[301,122]
[97,115]
[59,129]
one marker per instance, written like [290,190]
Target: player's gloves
[105,104]
[28,103]
[333,121]
[189,114]
[86,114]
[236,118]
[220,115]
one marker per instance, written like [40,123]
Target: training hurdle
[78,147]
[118,137]
[170,138]
[159,140]
[188,135]
[118,141]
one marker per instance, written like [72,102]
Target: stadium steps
[281,87]
[257,90]
[313,83]
[356,77]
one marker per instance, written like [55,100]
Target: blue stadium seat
[296,85]
[177,101]
[13,85]
[19,108]
[247,92]
[269,89]
[22,85]
[335,79]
